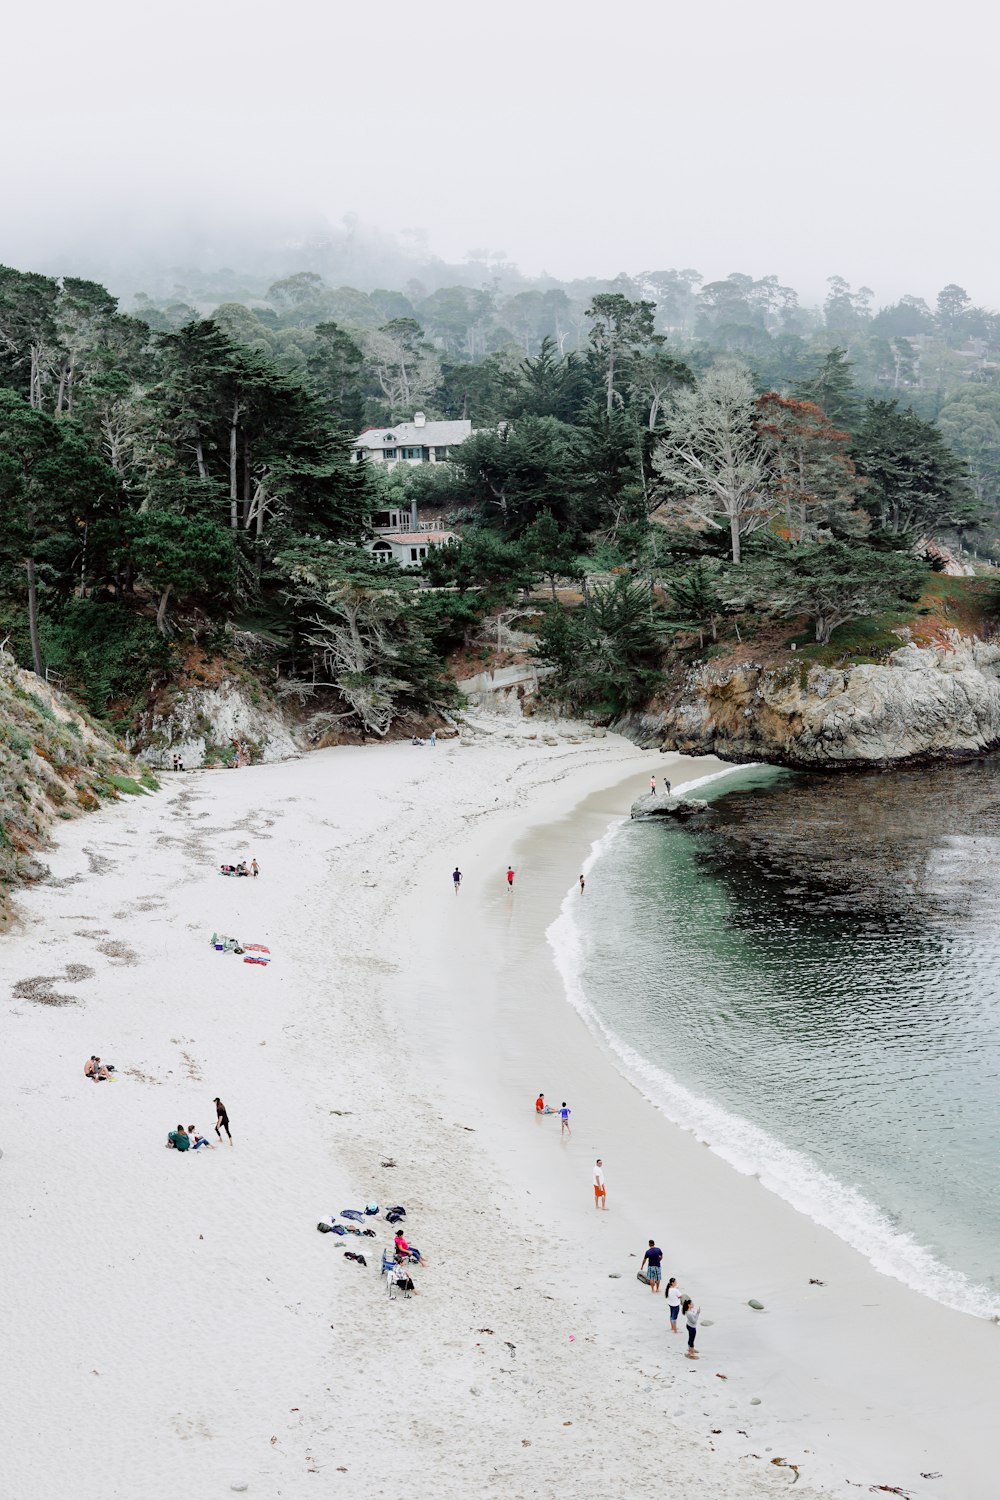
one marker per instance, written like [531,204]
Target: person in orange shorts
[600,1191]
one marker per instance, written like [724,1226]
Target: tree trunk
[63,375]
[611,377]
[246,485]
[734,535]
[36,648]
[161,612]
[233,491]
[199,454]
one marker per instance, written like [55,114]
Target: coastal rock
[922,704]
[202,723]
[655,805]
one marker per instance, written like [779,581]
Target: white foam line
[789,1173]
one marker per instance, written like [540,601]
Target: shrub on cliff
[831,582]
[606,656]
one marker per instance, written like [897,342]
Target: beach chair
[388,1262]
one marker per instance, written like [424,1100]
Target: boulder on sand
[656,805]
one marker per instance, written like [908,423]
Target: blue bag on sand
[371,1208]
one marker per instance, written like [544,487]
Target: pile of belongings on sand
[253,953]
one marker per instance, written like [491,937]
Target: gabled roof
[409,435]
[411,538]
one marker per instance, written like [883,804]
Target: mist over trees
[683,453]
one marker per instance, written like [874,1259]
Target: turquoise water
[808,979]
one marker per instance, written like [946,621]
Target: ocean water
[809,979]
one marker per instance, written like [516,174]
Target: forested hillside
[658,466]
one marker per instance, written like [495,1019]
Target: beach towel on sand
[351,1213]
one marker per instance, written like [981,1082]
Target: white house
[416,442]
[407,547]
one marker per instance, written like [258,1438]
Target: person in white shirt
[600,1191]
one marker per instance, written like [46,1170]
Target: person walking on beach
[564,1114]
[666,783]
[433,737]
[456,878]
[600,1191]
[583,885]
[652,786]
[691,1316]
[510,878]
[673,1296]
[254,868]
[651,1264]
[222,1120]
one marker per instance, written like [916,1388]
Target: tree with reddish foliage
[812,479]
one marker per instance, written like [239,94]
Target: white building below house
[416,442]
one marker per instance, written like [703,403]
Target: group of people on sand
[242,868]
[189,1139]
[564,1112]
[99,1071]
[678,1305]
[431,739]
[652,1261]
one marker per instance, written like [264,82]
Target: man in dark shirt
[651,1262]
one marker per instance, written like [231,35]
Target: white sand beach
[176,1328]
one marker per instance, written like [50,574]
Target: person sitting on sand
[198,1140]
[540,1105]
[241,868]
[406,1252]
[95,1069]
[179,1139]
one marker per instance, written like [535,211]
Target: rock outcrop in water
[922,704]
[653,805]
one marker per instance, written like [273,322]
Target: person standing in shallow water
[652,786]
[564,1114]
[222,1120]
[510,878]
[583,885]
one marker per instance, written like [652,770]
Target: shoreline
[752,1151]
[801,1356]
[218,1339]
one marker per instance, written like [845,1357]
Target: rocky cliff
[921,704]
[54,763]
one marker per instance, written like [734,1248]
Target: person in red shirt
[510,876]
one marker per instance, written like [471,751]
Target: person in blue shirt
[564,1114]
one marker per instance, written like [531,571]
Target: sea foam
[782,1169]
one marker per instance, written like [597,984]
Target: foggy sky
[578,138]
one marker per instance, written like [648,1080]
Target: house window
[391,452]
[360,454]
[413,554]
[411,452]
[440,455]
[423,552]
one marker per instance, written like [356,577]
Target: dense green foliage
[716,449]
